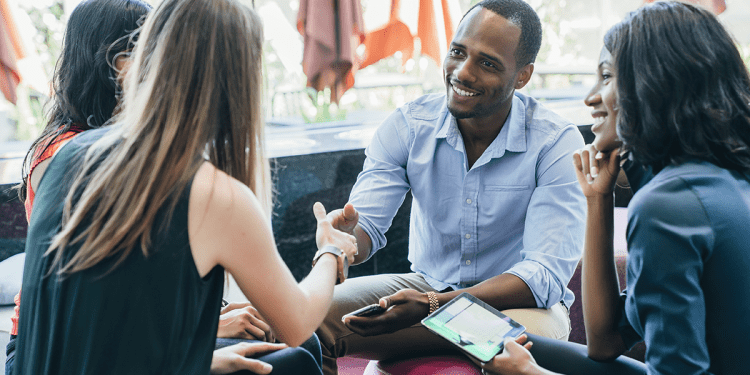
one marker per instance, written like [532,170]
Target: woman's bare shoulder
[224,216]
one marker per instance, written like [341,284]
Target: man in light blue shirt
[497,210]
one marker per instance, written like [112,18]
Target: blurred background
[573,31]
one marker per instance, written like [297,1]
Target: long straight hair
[85,81]
[194,90]
[683,89]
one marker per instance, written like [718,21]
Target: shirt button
[468,235]
[468,200]
[468,262]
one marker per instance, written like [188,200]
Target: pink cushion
[437,365]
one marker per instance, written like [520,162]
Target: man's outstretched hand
[344,219]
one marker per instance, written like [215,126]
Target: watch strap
[336,252]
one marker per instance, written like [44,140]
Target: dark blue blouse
[688,276]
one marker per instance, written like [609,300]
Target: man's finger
[350,213]
[394,299]
[319,211]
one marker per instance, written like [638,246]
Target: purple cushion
[445,365]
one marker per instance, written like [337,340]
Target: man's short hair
[521,14]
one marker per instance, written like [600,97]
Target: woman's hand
[243,321]
[237,357]
[327,234]
[515,359]
[596,171]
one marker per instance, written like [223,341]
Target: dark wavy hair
[84,84]
[521,14]
[683,89]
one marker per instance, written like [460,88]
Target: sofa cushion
[11,277]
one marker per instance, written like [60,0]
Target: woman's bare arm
[228,227]
[599,286]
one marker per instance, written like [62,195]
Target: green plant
[325,111]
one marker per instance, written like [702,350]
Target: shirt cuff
[371,232]
[543,285]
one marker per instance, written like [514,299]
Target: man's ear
[524,75]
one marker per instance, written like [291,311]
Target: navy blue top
[688,277]
[152,315]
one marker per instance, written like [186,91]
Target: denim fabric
[303,360]
[10,354]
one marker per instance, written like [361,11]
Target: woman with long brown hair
[128,249]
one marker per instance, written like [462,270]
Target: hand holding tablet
[474,326]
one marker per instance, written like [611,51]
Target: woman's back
[688,279]
[153,315]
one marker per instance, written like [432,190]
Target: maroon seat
[578,330]
[435,365]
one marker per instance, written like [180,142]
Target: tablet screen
[473,325]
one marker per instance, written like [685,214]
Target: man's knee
[553,322]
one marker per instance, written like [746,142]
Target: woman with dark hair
[86,86]
[672,101]
[85,83]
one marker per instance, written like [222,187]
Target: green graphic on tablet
[474,326]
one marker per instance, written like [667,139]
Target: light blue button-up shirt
[518,209]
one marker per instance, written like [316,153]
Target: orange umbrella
[716,6]
[395,35]
[10,50]
[427,29]
[389,39]
[332,29]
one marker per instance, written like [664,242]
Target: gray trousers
[338,341]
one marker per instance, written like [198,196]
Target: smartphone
[367,311]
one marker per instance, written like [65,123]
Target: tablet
[474,326]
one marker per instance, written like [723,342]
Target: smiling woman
[603,100]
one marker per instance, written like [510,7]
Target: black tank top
[152,315]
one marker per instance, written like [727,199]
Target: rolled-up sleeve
[382,186]
[554,226]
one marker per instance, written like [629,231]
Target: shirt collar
[638,174]
[512,137]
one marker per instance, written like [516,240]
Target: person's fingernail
[594,172]
[267,367]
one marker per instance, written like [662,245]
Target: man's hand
[345,219]
[403,309]
[237,357]
[243,321]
